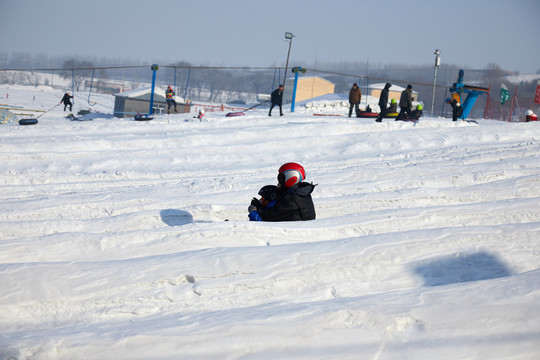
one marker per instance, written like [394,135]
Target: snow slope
[114,245]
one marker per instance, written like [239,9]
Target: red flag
[537,95]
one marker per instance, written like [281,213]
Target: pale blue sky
[469,33]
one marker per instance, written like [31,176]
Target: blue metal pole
[469,102]
[294,91]
[154,69]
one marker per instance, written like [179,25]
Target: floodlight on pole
[437,64]
[288,36]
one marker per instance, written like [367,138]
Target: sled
[328,114]
[28,121]
[143,117]
[233,114]
[365,114]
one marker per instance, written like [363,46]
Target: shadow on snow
[173,217]
[460,268]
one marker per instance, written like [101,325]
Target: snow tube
[28,121]
[143,117]
[364,114]
[231,114]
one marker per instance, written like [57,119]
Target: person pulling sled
[67,101]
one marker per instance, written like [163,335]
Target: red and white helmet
[291,174]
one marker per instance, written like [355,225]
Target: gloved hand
[255,205]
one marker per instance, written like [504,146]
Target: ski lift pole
[175,80]
[187,83]
[367,90]
[73,84]
[91,83]
[154,68]
[274,80]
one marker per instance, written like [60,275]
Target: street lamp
[288,36]
[437,64]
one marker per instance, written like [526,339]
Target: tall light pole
[437,63]
[288,36]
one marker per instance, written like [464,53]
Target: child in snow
[415,115]
[269,195]
[201,115]
[393,107]
[66,100]
[292,200]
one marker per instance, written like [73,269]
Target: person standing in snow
[355,96]
[405,103]
[66,100]
[276,98]
[291,200]
[457,109]
[383,102]
[169,96]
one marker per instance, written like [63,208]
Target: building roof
[135,93]
[310,77]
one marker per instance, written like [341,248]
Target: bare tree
[77,71]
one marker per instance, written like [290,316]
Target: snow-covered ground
[113,243]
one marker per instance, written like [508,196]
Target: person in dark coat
[291,201]
[457,109]
[67,102]
[383,102]
[405,103]
[355,96]
[276,97]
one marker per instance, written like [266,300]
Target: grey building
[130,103]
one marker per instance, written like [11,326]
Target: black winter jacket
[383,99]
[293,204]
[66,99]
[277,97]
